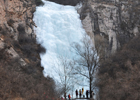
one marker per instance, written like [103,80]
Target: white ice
[57,27]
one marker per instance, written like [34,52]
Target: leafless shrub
[38,2]
[21,29]
[27,49]
[3,31]
[118,76]
[0,28]
[10,22]
[27,84]
[16,44]
[41,49]
[67,2]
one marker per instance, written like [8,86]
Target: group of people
[69,96]
[81,93]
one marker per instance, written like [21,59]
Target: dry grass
[23,83]
[18,82]
[119,76]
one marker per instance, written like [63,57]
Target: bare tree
[87,59]
[64,71]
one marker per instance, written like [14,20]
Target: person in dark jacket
[76,93]
[65,95]
[87,94]
[80,93]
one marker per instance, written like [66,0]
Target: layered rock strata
[14,13]
[110,20]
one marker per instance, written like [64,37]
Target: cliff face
[21,74]
[16,17]
[118,74]
[112,20]
[115,24]
[15,12]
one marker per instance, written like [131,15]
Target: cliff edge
[111,22]
[21,76]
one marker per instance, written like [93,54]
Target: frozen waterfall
[57,27]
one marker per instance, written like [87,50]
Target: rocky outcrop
[100,20]
[21,76]
[114,24]
[111,20]
[14,13]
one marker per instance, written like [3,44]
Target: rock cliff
[114,26]
[20,69]
[16,12]
[111,20]
[16,23]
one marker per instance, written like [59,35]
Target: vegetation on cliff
[38,2]
[23,81]
[67,2]
[21,73]
[118,77]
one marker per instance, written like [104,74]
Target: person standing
[69,96]
[87,94]
[76,93]
[80,93]
[65,96]
[62,98]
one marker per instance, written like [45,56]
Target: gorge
[113,26]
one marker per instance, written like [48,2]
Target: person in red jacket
[69,96]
